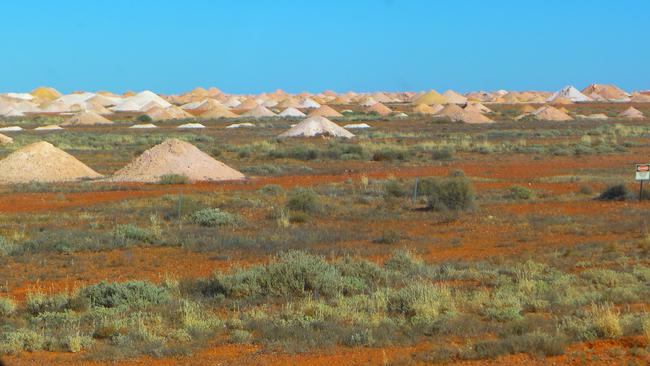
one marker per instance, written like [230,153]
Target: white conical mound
[87,118]
[317,126]
[44,163]
[178,157]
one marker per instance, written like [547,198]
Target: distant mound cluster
[103,108]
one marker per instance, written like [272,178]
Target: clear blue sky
[363,45]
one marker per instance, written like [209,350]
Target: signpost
[642,174]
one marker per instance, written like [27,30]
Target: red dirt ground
[597,353]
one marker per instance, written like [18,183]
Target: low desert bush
[14,342]
[645,328]
[618,192]
[536,343]
[37,302]
[292,273]
[77,343]
[143,118]
[136,294]
[7,307]
[389,237]
[7,247]
[124,234]
[173,179]
[443,153]
[213,217]
[391,154]
[272,190]
[240,336]
[450,194]
[299,152]
[520,193]
[395,188]
[599,321]
[586,190]
[345,151]
[265,169]
[303,199]
[422,302]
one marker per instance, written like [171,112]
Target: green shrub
[586,190]
[404,261]
[130,294]
[422,302]
[265,169]
[240,336]
[302,199]
[299,152]
[519,193]
[272,190]
[125,233]
[298,217]
[456,173]
[360,338]
[599,321]
[38,302]
[173,179]
[212,217]
[536,343]
[7,247]
[77,343]
[345,151]
[393,188]
[21,340]
[451,194]
[144,118]
[618,192]
[390,154]
[389,237]
[444,153]
[293,273]
[7,307]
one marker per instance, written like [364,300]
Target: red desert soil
[66,272]
[592,353]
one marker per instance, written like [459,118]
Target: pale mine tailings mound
[87,118]
[317,126]
[174,156]
[5,140]
[44,163]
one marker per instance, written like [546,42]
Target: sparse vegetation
[174,179]
[617,192]
[346,301]
[212,217]
[451,194]
[332,244]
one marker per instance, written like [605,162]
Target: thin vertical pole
[180,207]
[415,190]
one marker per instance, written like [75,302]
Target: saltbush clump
[6,246]
[302,199]
[618,192]
[7,307]
[173,179]
[212,217]
[130,294]
[520,193]
[123,234]
[451,194]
